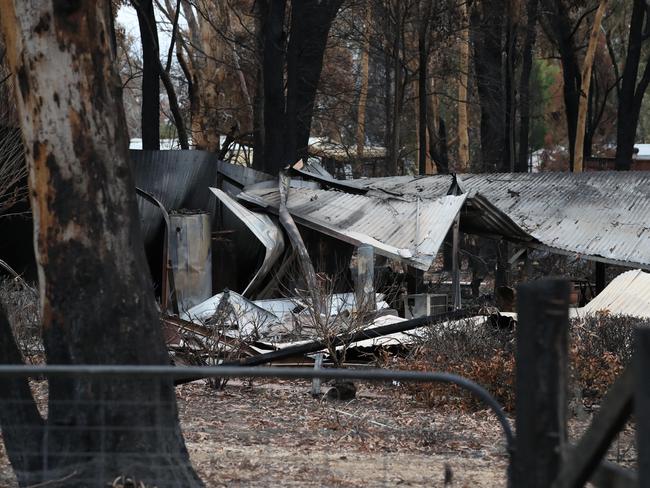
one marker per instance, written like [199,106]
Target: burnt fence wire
[102,381]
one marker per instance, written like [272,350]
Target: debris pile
[297,259]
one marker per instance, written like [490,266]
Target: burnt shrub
[600,347]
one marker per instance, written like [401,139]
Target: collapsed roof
[599,216]
[595,215]
[410,231]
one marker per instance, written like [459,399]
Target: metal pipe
[319,345]
[181,372]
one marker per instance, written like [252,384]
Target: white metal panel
[627,294]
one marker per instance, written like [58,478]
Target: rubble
[406,219]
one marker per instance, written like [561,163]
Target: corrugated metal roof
[627,294]
[410,231]
[178,179]
[594,214]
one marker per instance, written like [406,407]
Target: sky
[127,17]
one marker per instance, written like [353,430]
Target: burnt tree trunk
[510,98]
[422,92]
[22,425]
[487,32]
[273,76]
[288,113]
[310,25]
[463,107]
[521,165]
[97,304]
[439,150]
[561,33]
[585,87]
[631,93]
[398,93]
[258,98]
[363,91]
[150,117]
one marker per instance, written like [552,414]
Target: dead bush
[600,347]
[21,303]
[470,348]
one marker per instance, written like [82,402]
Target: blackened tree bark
[632,92]
[532,6]
[22,424]
[487,28]
[96,301]
[396,15]
[258,98]
[561,32]
[150,117]
[423,62]
[288,113]
[164,71]
[389,94]
[310,25]
[442,151]
[274,95]
[509,58]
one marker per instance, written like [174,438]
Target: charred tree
[532,7]
[423,62]
[632,88]
[487,28]
[310,25]
[363,91]
[150,75]
[273,76]
[561,32]
[287,113]
[258,97]
[96,301]
[463,109]
[396,15]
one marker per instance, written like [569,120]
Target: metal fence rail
[144,372]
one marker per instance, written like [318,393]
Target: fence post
[365,289]
[315,383]
[642,403]
[541,382]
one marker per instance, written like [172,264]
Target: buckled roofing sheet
[411,231]
[594,214]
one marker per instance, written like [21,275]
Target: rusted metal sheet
[596,215]
[268,233]
[411,231]
[190,257]
[627,294]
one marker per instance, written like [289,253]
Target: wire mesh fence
[264,429]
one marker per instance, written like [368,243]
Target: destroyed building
[220,251]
